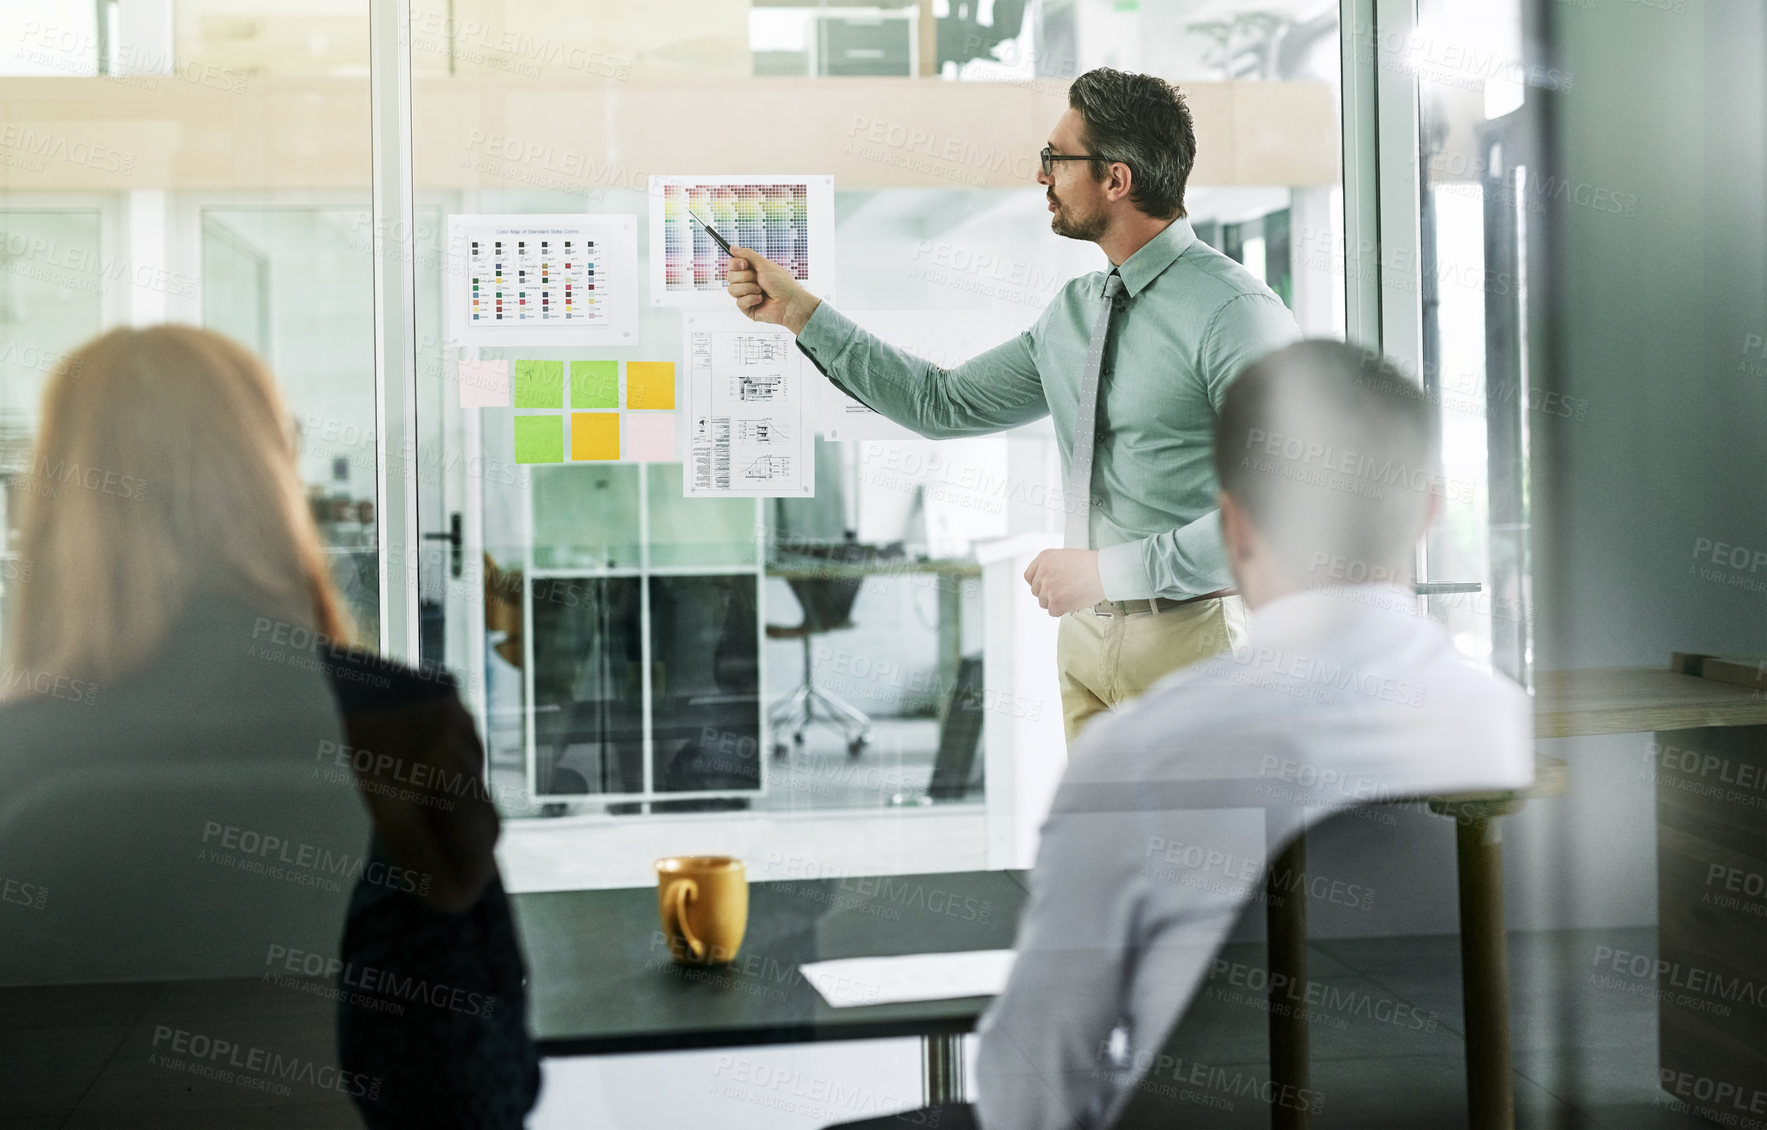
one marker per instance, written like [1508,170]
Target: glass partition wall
[195,162]
[1475,203]
[630,652]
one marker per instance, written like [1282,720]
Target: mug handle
[676,898]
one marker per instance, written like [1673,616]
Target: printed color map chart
[542,280]
[790,220]
[751,425]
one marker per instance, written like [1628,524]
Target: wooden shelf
[600,134]
[1631,700]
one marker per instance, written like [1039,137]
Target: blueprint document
[750,424]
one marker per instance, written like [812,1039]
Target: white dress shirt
[1157,837]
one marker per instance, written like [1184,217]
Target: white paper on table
[750,425]
[851,981]
[947,338]
[563,279]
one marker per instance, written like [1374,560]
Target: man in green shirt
[1131,363]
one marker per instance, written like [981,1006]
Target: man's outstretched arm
[996,390]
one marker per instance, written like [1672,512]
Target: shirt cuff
[1123,575]
[826,334]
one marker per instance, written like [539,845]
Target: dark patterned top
[433,1012]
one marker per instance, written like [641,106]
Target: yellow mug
[703,901]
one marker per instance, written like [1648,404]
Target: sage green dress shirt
[1193,318]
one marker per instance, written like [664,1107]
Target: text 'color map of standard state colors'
[520,280]
[787,219]
[533,280]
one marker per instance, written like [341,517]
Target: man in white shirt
[1344,693]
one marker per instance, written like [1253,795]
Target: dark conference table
[600,980]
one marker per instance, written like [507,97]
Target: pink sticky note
[650,437]
[484,384]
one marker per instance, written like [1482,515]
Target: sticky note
[595,384]
[595,435]
[650,437]
[539,384]
[484,384]
[539,439]
[650,384]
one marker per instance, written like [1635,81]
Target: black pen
[709,231]
[719,238]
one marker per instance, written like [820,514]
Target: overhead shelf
[497,132]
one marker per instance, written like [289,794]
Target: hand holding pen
[763,290]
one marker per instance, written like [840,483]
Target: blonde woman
[188,742]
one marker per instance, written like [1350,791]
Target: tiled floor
[892,769]
[805,825]
[1386,1052]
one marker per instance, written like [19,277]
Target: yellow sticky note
[595,435]
[650,384]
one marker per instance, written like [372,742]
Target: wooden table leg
[1484,972]
[1285,919]
[941,1066]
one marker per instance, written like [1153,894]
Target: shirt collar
[1311,610]
[1155,256]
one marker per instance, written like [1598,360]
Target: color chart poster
[788,219]
[540,280]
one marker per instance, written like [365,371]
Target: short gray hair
[1332,453]
[1143,122]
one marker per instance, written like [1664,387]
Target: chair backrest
[828,600]
[1193,1078]
[194,870]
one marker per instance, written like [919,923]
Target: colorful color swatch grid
[592,429]
[537,279]
[770,218]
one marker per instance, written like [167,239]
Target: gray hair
[1332,453]
[1143,122]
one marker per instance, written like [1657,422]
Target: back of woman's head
[163,473]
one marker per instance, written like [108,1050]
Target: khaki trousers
[1107,660]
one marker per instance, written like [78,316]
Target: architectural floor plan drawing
[750,421]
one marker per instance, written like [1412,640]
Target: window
[1476,204]
[212,167]
[632,654]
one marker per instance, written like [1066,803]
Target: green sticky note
[539,384]
[539,439]
[595,384]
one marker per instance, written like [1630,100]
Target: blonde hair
[164,469]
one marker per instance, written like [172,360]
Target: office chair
[827,601]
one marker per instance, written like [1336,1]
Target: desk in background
[950,573]
[1708,720]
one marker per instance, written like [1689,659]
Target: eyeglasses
[1049,159]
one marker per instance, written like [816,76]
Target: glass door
[639,659]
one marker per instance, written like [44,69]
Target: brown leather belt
[1155,606]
